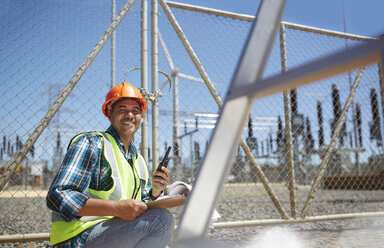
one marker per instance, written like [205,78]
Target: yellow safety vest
[127,185]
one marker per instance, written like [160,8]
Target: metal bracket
[153,97]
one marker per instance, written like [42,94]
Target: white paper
[181,188]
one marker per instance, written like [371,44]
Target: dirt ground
[25,212]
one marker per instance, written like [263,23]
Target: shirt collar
[132,149]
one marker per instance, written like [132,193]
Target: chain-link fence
[354,169]
[43,44]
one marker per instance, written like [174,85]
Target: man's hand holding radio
[160,177]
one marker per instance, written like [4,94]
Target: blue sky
[50,53]
[363,17]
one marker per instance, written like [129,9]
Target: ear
[109,114]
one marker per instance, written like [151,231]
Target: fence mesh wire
[353,174]
[43,43]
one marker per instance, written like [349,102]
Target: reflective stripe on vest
[127,184]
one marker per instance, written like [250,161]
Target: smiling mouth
[127,123]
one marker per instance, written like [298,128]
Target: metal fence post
[144,76]
[154,72]
[288,126]
[380,66]
[113,46]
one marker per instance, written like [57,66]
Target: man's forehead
[128,103]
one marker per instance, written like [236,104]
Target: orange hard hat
[124,90]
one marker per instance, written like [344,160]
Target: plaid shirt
[83,167]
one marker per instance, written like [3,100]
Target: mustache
[128,119]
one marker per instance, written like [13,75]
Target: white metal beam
[225,139]
[166,52]
[320,69]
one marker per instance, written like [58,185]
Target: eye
[135,112]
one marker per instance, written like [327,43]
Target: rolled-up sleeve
[66,195]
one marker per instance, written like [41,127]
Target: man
[96,196]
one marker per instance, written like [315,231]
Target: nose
[129,114]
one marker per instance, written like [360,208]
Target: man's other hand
[129,209]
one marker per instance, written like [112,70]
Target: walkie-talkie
[165,160]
